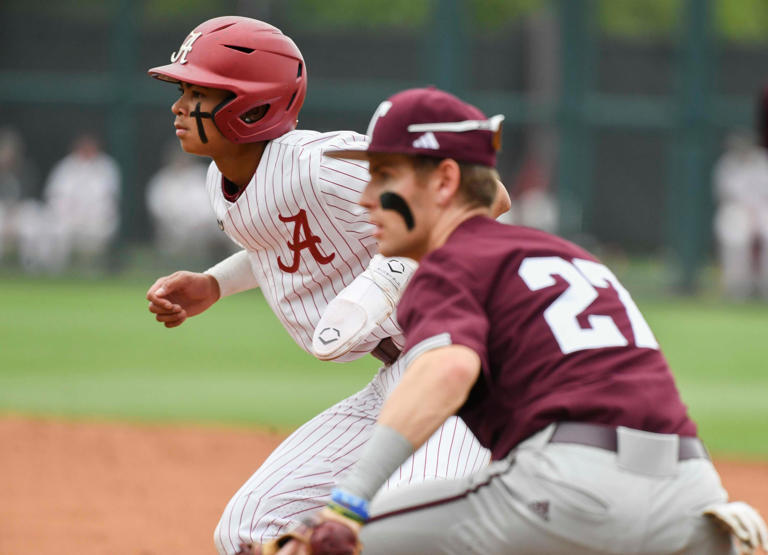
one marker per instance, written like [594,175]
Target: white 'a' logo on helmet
[185,48]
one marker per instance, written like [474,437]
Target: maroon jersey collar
[230,190]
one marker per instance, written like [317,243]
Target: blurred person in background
[184,224]
[17,180]
[533,204]
[82,195]
[741,216]
[43,245]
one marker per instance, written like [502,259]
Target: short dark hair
[478,183]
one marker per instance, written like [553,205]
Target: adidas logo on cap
[427,140]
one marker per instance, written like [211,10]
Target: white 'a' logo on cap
[185,48]
[427,140]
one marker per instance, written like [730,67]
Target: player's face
[199,100]
[397,199]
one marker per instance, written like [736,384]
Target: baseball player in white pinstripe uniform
[308,245]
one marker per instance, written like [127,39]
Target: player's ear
[448,178]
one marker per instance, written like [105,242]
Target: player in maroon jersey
[541,350]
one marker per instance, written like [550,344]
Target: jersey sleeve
[341,183]
[438,309]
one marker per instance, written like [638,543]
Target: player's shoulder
[67,163]
[213,173]
[213,177]
[316,140]
[106,160]
[480,247]
[308,148]
[331,174]
[536,242]
[490,236]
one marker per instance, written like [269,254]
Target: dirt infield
[95,488]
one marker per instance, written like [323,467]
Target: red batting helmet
[253,60]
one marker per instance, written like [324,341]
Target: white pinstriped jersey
[306,239]
[305,234]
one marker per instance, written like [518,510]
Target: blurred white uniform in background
[177,201]
[82,195]
[741,218]
[10,185]
[18,179]
[42,240]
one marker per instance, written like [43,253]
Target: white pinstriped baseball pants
[298,476]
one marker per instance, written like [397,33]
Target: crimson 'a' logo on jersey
[309,241]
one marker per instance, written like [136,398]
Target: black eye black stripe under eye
[393,201]
[198,115]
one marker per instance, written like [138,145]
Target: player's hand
[744,522]
[175,298]
[271,548]
[327,514]
[325,533]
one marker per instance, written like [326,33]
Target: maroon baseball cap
[430,122]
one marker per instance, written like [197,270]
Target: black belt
[604,437]
[386,351]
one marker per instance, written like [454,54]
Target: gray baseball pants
[559,498]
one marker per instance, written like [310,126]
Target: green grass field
[85,348]
[90,349]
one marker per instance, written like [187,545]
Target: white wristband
[234,274]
